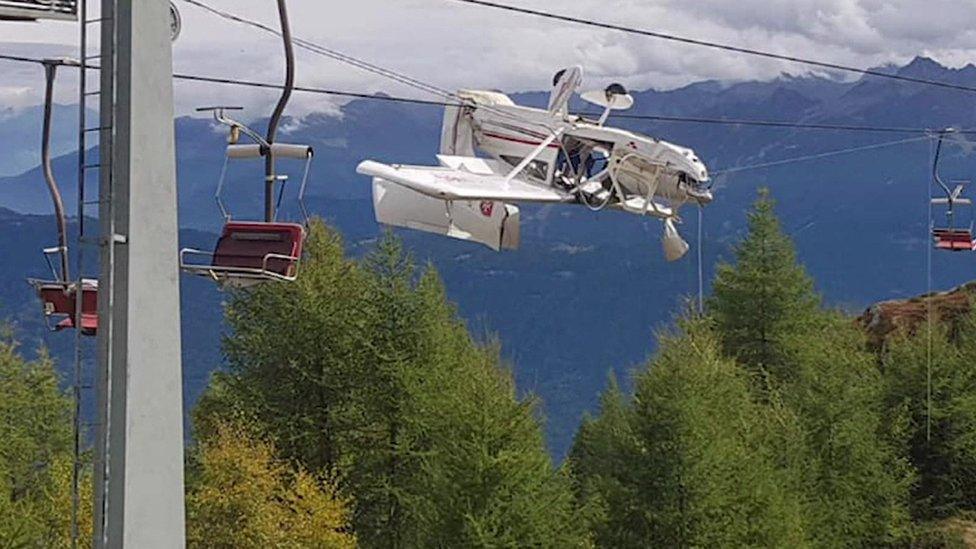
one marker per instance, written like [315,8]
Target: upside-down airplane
[540,156]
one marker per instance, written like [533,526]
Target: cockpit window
[578,159]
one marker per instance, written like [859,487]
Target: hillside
[906,315]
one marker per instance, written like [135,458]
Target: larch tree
[242,496]
[36,455]
[605,461]
[813,373]
[764,298]
[855,483]
[699,473]
[941,430]
[362,371]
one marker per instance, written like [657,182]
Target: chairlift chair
[252,252]
[953,235]
[249,253]
[59,295]
[60,301]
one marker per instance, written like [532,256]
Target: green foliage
[763,299]
[36,455]
[764,424]
[821,387]
[945,456]
[363,372]
[606,460]
[693,471]
[242,496]
[853,480]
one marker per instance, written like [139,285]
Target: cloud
[454,45]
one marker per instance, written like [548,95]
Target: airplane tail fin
[564,85]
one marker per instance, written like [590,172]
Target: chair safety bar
[222,273]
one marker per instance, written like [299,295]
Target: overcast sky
[457,45]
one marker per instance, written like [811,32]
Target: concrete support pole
[139,461]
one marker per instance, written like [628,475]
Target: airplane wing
[457,181]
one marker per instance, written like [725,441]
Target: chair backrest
[89,299]
[245,245]
[964,235]
[57,299]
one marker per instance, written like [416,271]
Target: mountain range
[586,292]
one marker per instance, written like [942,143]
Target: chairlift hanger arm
[50,74]
[269,161]
[935,164]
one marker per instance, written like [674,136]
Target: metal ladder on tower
[88,237]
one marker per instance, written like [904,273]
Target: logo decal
[486,208]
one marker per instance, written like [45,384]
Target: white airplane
[541,156]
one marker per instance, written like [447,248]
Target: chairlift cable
[928,316]
[364,65]
[701,273]
[9,57]
[322,50]
[717,45]
[409,100]
[435,90]
[768,123]
[819,155]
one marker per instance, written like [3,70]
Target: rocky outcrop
[884,318]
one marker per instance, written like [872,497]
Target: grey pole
[139,452]
[50,73]
[270,178]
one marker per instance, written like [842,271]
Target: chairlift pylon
[62,300]
[954,235]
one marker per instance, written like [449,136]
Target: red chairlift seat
[249,252]
[60,300]
[956,240]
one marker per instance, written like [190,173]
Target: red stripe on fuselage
[517,140]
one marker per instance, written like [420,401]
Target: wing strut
[534,154]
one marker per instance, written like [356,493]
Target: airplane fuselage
[642,166]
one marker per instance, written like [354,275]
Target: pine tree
[764,298]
